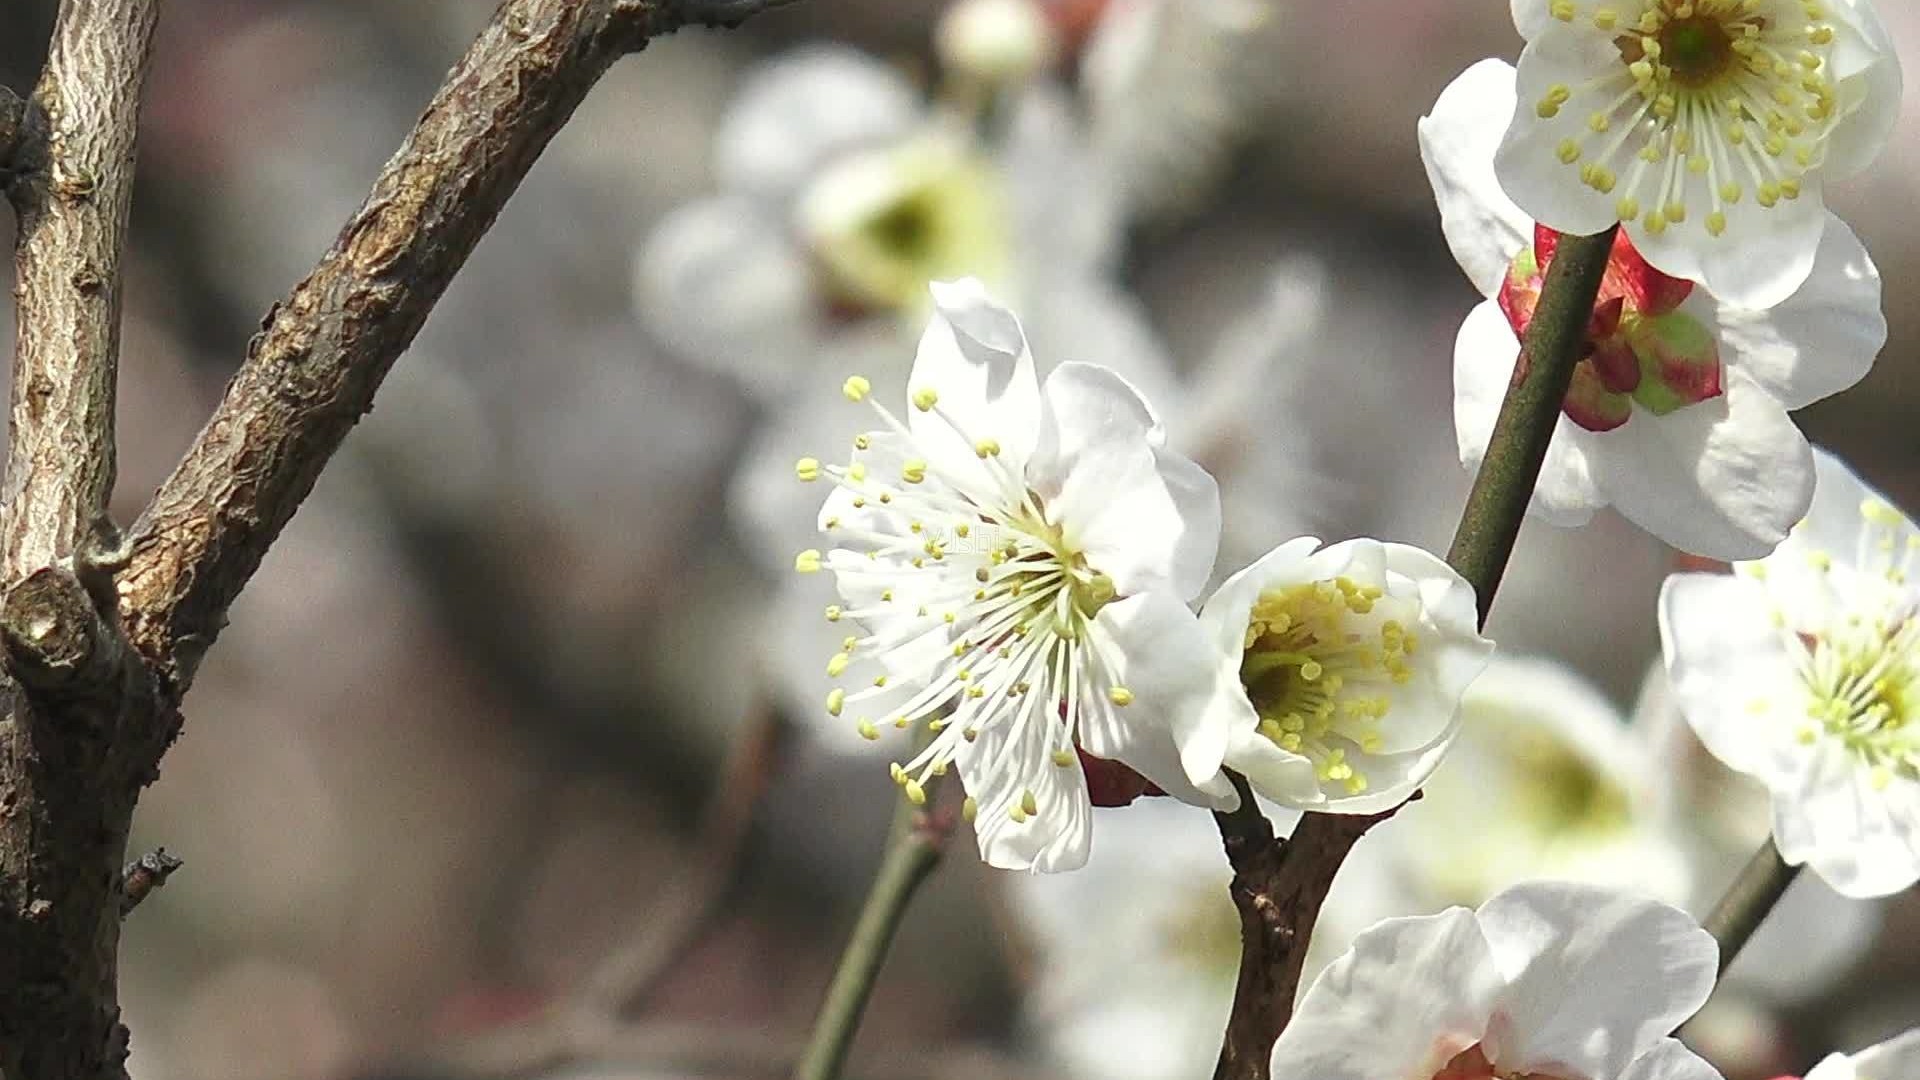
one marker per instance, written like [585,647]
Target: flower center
[1472,1064]
[1317,664]
[1696,50]
[1640,348]
[1863,688]
[973,597]
[1713,100]
[883,223]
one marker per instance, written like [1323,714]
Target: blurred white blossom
[1896,1059]
[843,191]
[1174,86]
[1803,671]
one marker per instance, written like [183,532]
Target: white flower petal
[1457,143]
[1823,338]
[800,109]
[1165,661]
[1595,977]
[1723,479]
[1867,64]
[1225,613]
[1393,778]
[1086,406]
[1408,996]
[1845,828]
[1285,777]
[1836,1067]
[1196,500]
[1528,162]
[1895,1059]
[1762,259]
[1724,654]
[1531,16]
[1837,526]
[999,769]
[1669,1059]
[1144,515]
[1453,617]
[1483,359]
[1127,506]
[718,282]
[974,357]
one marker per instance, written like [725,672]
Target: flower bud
[997,42]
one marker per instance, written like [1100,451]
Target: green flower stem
[1747,901]
[914,847]
[1278,885]
[1498,503]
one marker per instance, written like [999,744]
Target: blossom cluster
[1026,568]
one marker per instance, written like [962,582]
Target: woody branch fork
[101,635]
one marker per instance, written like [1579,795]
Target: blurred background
[510,762]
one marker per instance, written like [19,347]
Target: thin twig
[1497,505]
[1745,904]
[322,352]
[1278,888]
[914,847]
[1279,885]
[674,923]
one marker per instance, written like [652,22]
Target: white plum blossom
[1802,670]
[1544,780]
[1237,411]
[1896,1059]
[1813,937]
[1547,980]
[1172,87]
[1134,990]
[1678,413]
[1344,668]
[1021,557]
[843,190]
[1707,128]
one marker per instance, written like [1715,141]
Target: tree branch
[23,138]
[1280,885]
[73,224]
[96,670]
[1746,903]
[311,372]
[65,802]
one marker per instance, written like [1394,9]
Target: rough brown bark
[1278,887]
[65,802]
[96,667]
